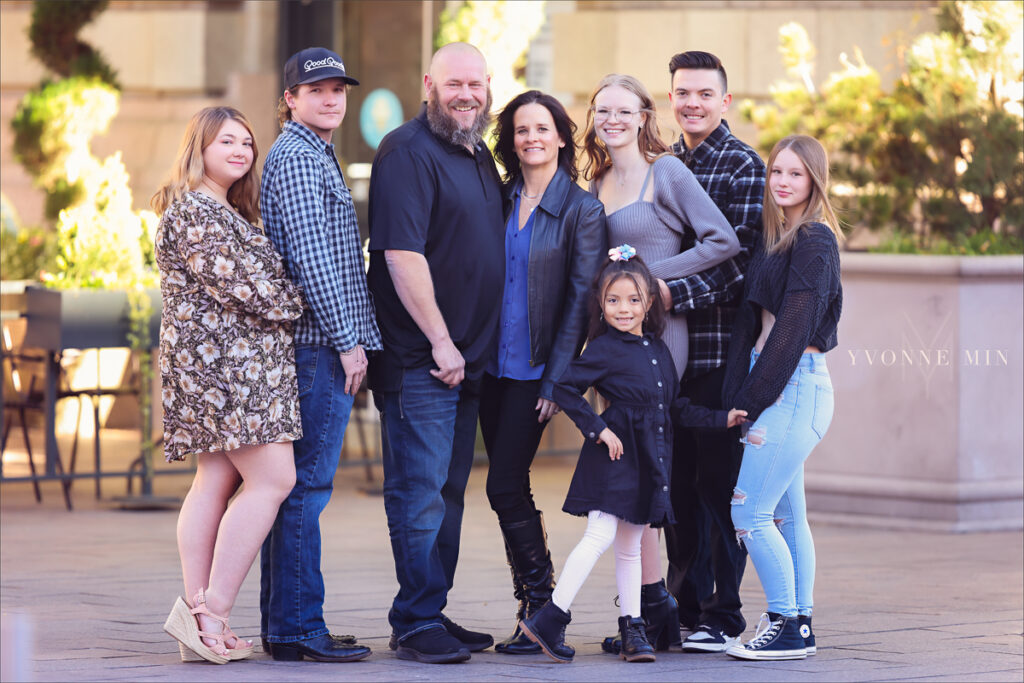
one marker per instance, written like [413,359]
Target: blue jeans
[769,509]
[428,432]
[291,584]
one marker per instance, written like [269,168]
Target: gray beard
[447,128]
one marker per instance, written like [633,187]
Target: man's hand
[354,365]
[415,288]
[451,366]
[666,295]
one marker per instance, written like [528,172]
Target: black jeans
[705,562]
[508,422]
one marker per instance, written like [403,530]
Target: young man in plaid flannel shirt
[309,215]
[705,562]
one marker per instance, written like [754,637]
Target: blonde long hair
[187,172]
[598,161]
[777,235]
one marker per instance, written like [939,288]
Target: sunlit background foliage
[937,161]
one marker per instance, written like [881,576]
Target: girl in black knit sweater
[776,372]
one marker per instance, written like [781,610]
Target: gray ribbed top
[655,229]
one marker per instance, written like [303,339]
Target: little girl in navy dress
[622,478]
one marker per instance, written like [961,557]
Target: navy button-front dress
[638,378]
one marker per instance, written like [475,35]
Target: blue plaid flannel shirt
[309,215]
[733,175]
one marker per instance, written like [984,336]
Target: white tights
[602,530]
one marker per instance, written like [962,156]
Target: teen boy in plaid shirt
[309,215]
[705,562]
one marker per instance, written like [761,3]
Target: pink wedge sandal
[184,626]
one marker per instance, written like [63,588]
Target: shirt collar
[307,136]
[707,146]
[626,336]
[555,194]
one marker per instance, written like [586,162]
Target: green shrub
[938,158]
[982,243]
[57,114]
[24,252]
[54,35]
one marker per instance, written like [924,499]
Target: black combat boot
[633,635]
[547,628]
[660,613]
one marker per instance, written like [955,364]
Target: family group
[695,287]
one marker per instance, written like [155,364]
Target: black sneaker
[473,640]
[708,639]
[432,645]
[778,637]
[804,622]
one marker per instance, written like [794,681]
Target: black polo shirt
[439,200]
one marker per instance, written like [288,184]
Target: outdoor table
[79,319]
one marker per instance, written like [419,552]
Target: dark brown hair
[636,270]
[505,134]
[695,59]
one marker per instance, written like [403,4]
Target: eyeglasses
[602,114]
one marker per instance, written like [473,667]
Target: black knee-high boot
[533,577]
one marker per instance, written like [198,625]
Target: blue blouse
[512,357]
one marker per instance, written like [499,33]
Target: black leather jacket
[568,244]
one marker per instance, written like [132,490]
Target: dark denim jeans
[427,436]
[705,562]
[291,584]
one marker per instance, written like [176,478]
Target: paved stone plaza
[85,593]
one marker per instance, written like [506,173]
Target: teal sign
[381,113]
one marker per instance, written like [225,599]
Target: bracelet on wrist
[349,352]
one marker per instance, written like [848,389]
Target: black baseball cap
[314,64]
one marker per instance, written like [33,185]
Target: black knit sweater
[801,288]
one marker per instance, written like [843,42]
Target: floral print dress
[227,359]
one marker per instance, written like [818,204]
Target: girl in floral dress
[227,366]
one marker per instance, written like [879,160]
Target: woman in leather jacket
[555,242]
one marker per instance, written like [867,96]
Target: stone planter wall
[929,382]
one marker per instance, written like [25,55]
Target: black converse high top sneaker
[808,635]
[777,637]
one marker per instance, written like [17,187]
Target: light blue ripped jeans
[769,509]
